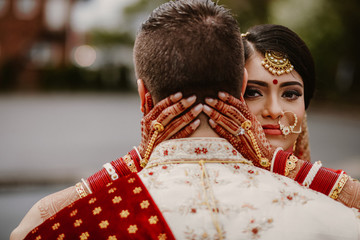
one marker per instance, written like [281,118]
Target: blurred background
[68,98]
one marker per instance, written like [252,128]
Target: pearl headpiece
[277,63]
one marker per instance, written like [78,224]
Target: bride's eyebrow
[292,83]
[257,82]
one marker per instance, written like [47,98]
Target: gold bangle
[80,190]
[130,163]
[339,186]
[290,164]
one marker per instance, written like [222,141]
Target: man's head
[192,46]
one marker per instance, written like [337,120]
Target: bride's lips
[270,129]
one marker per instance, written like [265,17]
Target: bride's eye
[252,93]
[291,94]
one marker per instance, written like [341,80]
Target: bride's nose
[272,108]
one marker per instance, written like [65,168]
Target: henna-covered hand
[230,118]
[167,112]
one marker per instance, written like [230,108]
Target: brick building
[33,34]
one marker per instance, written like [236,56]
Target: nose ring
[286,130]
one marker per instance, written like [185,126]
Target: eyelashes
[253,93]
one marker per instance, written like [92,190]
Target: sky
[98,13]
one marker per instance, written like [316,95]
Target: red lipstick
[271,129]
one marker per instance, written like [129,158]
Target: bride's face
[274,100]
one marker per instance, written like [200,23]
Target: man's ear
[244,83]
[142,91]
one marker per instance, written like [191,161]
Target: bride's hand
[232,120]
[167,112]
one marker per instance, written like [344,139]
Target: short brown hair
[192,46]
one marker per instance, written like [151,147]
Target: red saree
[123,209]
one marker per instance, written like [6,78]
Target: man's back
[204,194]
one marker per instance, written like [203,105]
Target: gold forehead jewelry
[277,63]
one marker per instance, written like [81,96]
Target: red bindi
[275,81]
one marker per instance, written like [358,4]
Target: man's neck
[204,130]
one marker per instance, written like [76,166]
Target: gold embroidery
[109,184]
[137,190]
[124,214]
[38,237]
[34,231]
[153,220]
[112,237]
[112,190]
[131,180]
[73,213]
[116,199]
[56,226]
[84,236]
[104,224]
[132,229]
[162,236]
[97,210]
[93,200]
[77,223]
[144,204]
[61,237]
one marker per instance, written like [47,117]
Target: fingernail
[209,100]
[196,123]
[199,107]
[191,99]
[222,95]
[212,123]
[177,95]
[207,108]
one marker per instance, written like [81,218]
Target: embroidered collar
[195,149]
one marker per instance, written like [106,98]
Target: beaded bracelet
[312,173]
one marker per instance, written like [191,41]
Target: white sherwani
[231,200]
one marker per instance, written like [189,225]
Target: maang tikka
[277,63]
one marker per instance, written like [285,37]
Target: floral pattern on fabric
[236,200]
[110,213]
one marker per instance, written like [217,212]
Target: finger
[222,132]
[149,104]
[180,123]
[237,103]
[188,130]
[160,106]
[171,112]
[226,110]
[227,123]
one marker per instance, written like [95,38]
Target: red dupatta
[123,209]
